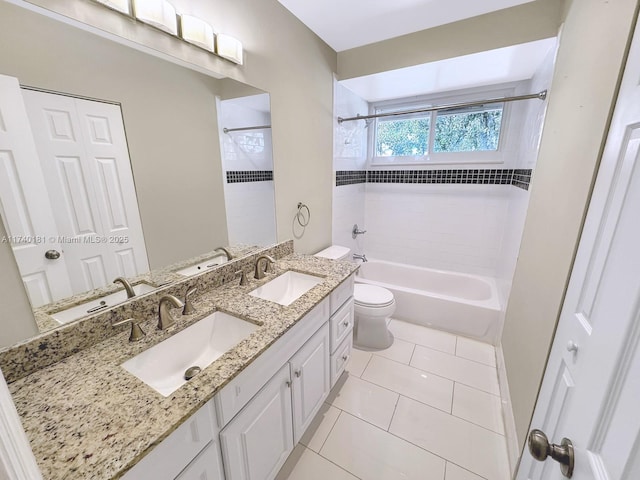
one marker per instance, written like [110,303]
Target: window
[438,136]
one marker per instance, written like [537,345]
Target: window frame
[442,158]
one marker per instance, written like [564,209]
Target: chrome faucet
[127,286]
[260,272]
[357,256]
[165,320]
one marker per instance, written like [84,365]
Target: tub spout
[362,257]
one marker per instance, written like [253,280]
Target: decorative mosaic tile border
[519,178]
[350,177]
[244,176]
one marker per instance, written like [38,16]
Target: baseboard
[511,436]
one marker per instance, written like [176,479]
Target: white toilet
[373,307]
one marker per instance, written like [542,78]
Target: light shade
[158,13]
[197,31]
[123,6]
[229,48]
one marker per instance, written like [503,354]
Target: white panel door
[591,388]
[311,376]
[24,203]
[256,443]
[84,157]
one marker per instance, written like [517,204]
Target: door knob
[52,254]
[540,449]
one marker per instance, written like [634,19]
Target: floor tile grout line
[395,408]
[466,419]
[330,430]
[339,466]
[453,396]
[415,445]
[465,469]
[430,373]
[458,356]
[375,384]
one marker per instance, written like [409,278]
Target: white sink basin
[202,266]
[163,366]
[286,288]
[99,304]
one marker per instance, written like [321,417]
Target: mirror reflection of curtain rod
[259,127]
[540,96]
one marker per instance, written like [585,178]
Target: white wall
[349,153]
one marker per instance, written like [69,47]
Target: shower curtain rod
[541,96]
[259,127]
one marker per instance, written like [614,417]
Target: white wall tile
[450,227]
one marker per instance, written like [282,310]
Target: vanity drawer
[175,452]
[236,394]
[341,324]
[340,358]
[341,293]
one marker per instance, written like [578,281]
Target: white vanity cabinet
[341,324]
[258,440]
[256,443]
[193,447]
[310,380]
[263,412]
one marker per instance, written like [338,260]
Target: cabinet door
[206,466]
[311,380]
[256,443]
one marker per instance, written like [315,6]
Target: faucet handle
[136,331]
[243,277]
[188,304]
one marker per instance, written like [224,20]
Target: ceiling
[353,23]
[492,67]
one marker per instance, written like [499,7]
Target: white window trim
[446,158]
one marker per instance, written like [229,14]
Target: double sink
[165,366]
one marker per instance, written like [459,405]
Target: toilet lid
[371,295]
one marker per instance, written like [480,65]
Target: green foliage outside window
[402,137]
[465,132]
[455,131]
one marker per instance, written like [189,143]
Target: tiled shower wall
[455,218]
[248,164]
[350,154]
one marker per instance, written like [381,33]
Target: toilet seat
[372,296]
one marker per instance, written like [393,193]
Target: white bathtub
[456,302]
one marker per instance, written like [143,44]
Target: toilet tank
[334,252]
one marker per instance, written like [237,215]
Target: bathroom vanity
[239,418]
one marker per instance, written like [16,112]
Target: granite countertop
[86,417]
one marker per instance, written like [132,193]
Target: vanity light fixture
[229,47]
[158,13]
[197,32]
[122,6]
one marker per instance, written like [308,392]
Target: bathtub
[459,303]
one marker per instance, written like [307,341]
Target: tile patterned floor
[427,408]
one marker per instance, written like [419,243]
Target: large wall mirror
[114,163]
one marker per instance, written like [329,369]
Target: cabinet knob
[288,384]
[345,357]
[572,346]
[345,323]
[297,373]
